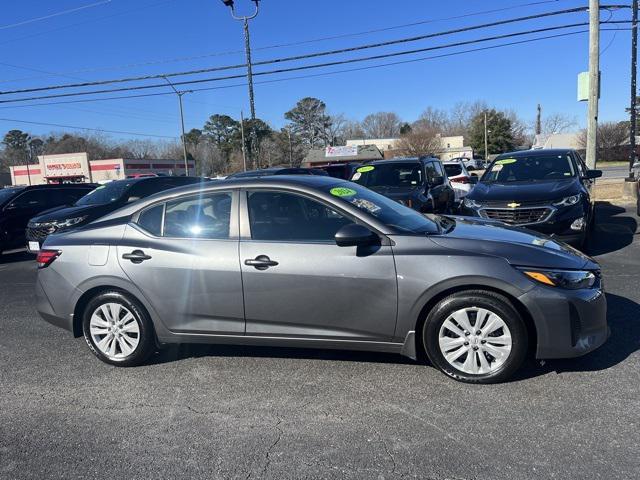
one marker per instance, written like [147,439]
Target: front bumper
[569,323]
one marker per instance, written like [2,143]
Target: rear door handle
[261,262]
[137,256]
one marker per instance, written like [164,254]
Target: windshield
[530,168]
[391,175]
[7,193]
[384,209]
[108,193]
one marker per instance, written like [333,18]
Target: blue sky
[118,38]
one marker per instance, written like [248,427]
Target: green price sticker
[506,161]
[366,168]
[342,192]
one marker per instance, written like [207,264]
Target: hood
[518,246]
[63,213]
[525,191]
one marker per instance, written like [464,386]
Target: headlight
[568,279]
[568,201]
[471,203]
[70,222]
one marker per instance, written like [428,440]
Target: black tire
[497,304]
[146,340]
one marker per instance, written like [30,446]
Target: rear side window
[33,199]
[453,170]
[201,216]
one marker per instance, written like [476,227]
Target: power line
[85,128]
[281,45]
[312,66]
[298,77]
[303,57]
[52,15]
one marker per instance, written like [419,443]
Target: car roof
[57,185]
[537,152]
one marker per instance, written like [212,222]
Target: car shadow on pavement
[613,231]
[172,353]
[623,316]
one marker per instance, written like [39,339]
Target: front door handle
[261,262]
[137,256]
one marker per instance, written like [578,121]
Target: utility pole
[247,48]
[634,94]
[486,139]
[539,120]
[244,152]
[290,147]
[594,81]
[184,140]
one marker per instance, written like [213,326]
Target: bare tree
[433,118]
[558,123]
[144,149]
[611,140]
[381,125]
[352,130]
[420,141]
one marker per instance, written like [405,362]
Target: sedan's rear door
[183,255]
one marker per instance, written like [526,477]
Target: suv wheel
[117,330]
[475,336]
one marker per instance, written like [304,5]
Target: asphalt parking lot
[248,412]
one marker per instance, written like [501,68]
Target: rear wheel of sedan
[118,330]
[475,336]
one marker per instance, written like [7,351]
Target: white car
[471,163]
[460,178]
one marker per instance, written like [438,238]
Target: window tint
[289,217]
[431,171]
[151,220]
[453,170]
[202,216]
[394,175]
[439,170]
[33,199]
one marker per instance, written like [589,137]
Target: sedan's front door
[299,283]
[183,255]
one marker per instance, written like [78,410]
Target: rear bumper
[568,323]
[48,313]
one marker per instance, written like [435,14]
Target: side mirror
[473,180]
[354,235]
[591,174]
[636,165]
[436,181]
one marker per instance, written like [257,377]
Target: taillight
[46,257]
[461,180]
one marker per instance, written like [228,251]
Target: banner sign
[345,151]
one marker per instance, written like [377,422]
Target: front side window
[201,216]
[32,199]
[281,216]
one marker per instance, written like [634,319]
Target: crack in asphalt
[386,449]
[273,445]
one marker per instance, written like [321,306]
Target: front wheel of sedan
[476,337]
[117,330]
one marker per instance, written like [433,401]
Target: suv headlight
[568,279]
[471,203]
[567,201]
[70,222]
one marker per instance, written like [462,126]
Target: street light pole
[244,147]
[184,140]
[634,94]
[486,139]
[594,81]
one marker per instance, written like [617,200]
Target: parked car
[419,183]
[265,172]
[104,199]
[243,262]
[142,175]
[19,204]
[544,190]
[461,180]
[340,170]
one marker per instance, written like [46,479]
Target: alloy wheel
[475,340]
[114,330]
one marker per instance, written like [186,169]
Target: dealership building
[76,167]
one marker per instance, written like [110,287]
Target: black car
[265,172]
[340,170]
[104,199]
[544,190]
[19,204]
[419,183]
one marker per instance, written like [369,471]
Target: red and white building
[76,167]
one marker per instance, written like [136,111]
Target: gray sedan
[319,262]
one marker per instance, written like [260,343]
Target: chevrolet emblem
[513,205]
